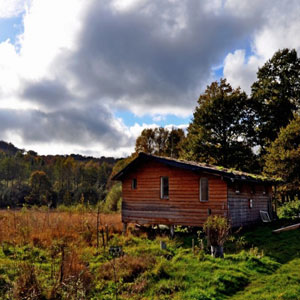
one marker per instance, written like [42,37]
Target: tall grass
[53,255]
[41,227]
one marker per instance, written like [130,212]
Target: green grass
[282,284]
[257,265]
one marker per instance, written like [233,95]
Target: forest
[31,179]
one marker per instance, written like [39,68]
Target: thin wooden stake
[98,222]
[193,246]
[103,238]
[106,233]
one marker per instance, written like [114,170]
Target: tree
[276,95]
[160,141]
[146,141]
[6,169]
[283,158]
[176,138]
[68,172]
[40,189]
[221,129]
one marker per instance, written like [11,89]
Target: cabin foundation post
[172,231]
[124,228]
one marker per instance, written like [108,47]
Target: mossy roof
[226,173]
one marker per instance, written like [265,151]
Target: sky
[87,76]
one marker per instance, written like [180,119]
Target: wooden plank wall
[183,207]
[238,203]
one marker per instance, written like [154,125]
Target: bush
[217,230]
[114,199]
[27,285]
[14,196]
[128,268]
[289,209]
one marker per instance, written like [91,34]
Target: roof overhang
[194,167]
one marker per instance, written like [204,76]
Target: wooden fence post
[98,222]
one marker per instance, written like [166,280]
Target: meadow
[66,255]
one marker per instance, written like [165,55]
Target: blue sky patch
[130,119]
[10,28]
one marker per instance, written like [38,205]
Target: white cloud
[50,30]
[9,64]
[81,59]
[279,30]
[240,72]
[158,118]
[11,8]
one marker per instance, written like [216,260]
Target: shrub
[27,285]
[289,209]
[75,279]
[217,231]
[5,287]
[127,268]
[114,199]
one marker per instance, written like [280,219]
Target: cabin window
[265,191]
[164,187]
[250,202]
[203,189]
[252,189]
[134,184]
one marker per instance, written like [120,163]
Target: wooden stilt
[124,228]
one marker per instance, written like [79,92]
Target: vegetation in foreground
[54,255]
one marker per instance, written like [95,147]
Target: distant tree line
[27,178]
[259,133]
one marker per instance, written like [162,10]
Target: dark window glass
[204,189]
[164,187]
[134,184]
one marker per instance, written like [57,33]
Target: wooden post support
[124,228]
[172,231]
[193,246]
[163,245]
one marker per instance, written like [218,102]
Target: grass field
[54,255]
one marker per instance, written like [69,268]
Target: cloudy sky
[86,76]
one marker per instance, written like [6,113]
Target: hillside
[10,149]
[56,256]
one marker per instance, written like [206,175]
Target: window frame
[134,184]
[162,195]
[200,189]
[250,203]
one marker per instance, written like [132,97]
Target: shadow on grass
[282,247]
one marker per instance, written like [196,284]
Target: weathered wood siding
[144,205]
[240,213]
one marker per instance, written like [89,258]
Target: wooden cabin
[161,190]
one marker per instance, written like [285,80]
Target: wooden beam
[291,227]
